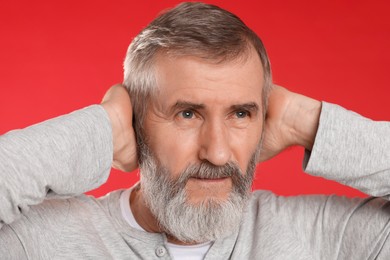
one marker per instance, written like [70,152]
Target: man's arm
[65,156]
[340,145]
[343,146]
[351,150]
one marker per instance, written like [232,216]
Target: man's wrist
[304,120]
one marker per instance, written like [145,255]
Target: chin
[205,190]
[206,199]
[203,220]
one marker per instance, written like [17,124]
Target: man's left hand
[292,119]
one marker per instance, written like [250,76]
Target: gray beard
[195,223]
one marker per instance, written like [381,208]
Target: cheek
[244,143]
[174,148]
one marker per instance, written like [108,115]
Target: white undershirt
[177,252]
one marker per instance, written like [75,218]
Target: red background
[58,56]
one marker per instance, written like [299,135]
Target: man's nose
[214,143]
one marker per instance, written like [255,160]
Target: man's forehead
[197,80]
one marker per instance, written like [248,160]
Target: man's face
[202,132]
[205,112]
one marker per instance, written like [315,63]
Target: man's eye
[242,114]
[188,114]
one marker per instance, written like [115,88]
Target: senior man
[196,124]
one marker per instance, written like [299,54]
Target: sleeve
[61,157]
[10,245]
[354,151]
[351,150]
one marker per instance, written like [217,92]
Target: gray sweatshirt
[44,169]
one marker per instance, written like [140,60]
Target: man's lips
[210,179]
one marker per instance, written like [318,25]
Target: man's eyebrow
[180,104]
[251,106]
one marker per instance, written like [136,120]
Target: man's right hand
[117,104]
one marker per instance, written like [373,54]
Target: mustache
[206,170]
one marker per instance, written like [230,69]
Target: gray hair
[194,29]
